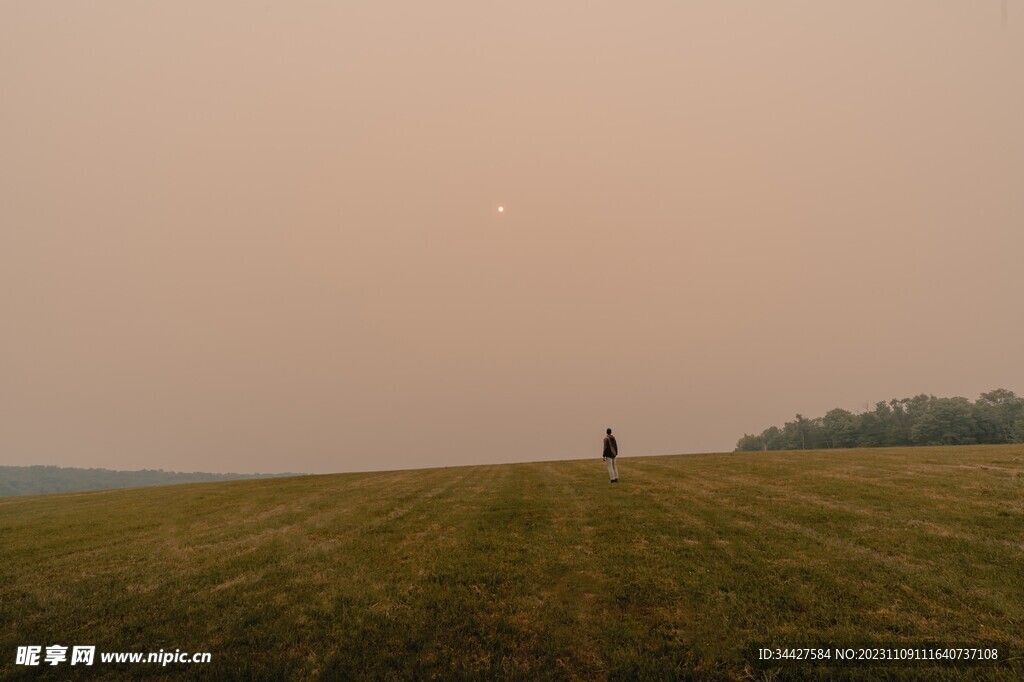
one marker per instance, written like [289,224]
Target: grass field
[531,570]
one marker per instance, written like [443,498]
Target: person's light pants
[613,471]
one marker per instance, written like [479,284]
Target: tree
[750,443]
[996,413]
[772,437]
[872,430]
[839,428]
[1017,433]
[996,417]
[915,408]
[793,436]
[948,421]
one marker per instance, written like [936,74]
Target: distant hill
[36,480]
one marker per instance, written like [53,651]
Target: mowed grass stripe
[528,571]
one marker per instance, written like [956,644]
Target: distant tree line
[995,417]
[35,480]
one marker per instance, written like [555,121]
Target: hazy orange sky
[265,238]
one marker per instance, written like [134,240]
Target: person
[611,451]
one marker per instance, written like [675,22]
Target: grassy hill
[530,570]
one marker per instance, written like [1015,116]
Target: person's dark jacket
[611,448]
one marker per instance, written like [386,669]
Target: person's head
[609,432]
